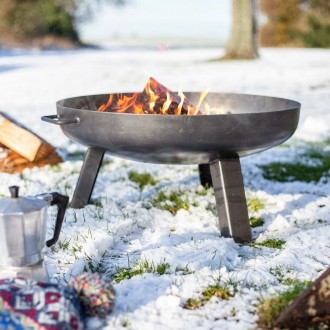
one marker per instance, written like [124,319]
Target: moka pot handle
[62,202]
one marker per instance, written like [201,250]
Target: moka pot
[23,224]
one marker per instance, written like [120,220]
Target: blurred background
[75,23]
[168,22]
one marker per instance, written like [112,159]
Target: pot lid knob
[14,191]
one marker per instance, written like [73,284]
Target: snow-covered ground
[128,229]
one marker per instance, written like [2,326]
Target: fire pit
[247,124]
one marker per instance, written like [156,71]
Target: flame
[207,108]
[182,97]
[154,99]
[201,98]
[167,103]
[104,107]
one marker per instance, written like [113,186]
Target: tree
[316,31]
[296,23]
[24,21]
[282,22]
[243,41]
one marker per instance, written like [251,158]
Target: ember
[154,99]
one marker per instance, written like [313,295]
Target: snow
[128,229]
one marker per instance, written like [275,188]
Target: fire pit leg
[88,174]
[230,199]
[205,175]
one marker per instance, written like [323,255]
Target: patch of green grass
[271,308]
[233,312]
[172,203]
[271,243]
[76,249]
[94,266]
[140,268]
[142,179]
[184,270]
[215,290]
[280,272]
[97,203]
[288,172]
[193,303]
[255,204]
[256,222]
[57,168]
[212,208]
[75,155]
[203,190]
[195,203]
[63,245]
[162,268]
[294,281]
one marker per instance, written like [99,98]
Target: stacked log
[21,148]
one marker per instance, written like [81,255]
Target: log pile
[20,148]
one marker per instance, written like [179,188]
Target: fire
[200,101]
[154,99]
[182,97]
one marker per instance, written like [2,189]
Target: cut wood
[311,308]
[21,148]
[165,101]
[12,162]
[23,141]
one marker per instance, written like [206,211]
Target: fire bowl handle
[54,119]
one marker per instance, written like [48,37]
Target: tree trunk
[243,40]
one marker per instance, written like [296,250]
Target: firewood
[154,99]
[23,141]
[12,162]
[163,95]
[311,308]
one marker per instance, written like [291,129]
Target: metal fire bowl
[249,124]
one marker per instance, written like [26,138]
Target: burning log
[20,148]
[154,99]
[158,99]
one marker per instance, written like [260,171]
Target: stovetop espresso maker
[23,224]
